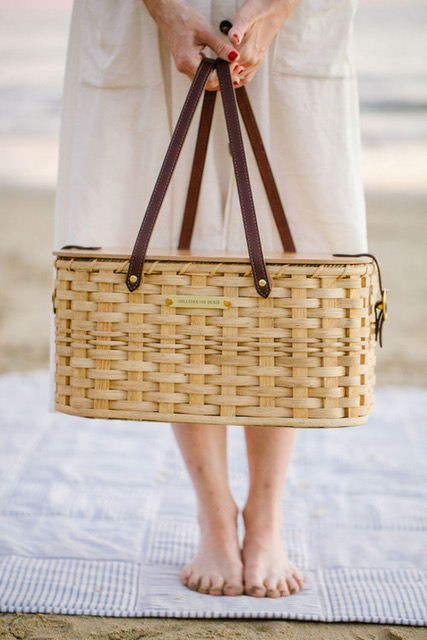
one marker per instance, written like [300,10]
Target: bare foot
[267,569]
[217,567]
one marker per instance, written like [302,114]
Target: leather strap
[242,178]
[265,169]
[262,162]
[197,170]
[262,282]
[136,264]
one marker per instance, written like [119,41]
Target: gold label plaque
[198,302]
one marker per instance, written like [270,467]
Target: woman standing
[126,80]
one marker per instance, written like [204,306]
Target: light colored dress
[122,96]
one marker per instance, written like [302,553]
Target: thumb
[222,48]
[241,25]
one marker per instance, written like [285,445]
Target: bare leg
[217,567]
[267,570]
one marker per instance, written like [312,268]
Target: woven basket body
[303,357]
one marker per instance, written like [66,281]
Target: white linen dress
[122,97]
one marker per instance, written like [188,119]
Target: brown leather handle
[197,170]
[253,240]
[136,264]
[262,282]
[260,157]
[265,170]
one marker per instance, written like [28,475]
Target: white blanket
[97,517]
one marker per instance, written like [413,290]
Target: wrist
[159,8]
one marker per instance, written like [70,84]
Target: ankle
[221,520]
[262,518]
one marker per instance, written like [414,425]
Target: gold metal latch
[380,306]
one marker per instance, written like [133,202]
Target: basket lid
[209,256]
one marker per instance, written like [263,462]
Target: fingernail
[236,82]
[235,38]
[232,55]
[236,66]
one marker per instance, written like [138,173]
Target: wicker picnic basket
[184,336]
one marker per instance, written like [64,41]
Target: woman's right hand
[187,32]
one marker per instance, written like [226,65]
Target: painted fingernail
[236,66]
[236,82]
[235,38]
[232,55]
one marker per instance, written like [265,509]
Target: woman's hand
[254,27]
[187,32]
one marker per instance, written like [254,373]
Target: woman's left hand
[254,27]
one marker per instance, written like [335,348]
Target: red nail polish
[232,55]
[235,83]
[236,66]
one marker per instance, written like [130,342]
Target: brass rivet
[133,279]
[227,303]
[262,282]
[169,301]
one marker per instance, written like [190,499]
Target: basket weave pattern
[302,357]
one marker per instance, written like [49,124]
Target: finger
[248,77]
[242,23]
[213,82]
[188,63]
[237,74]
[222,48]
[237,70]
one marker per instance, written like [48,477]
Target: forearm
[158,8]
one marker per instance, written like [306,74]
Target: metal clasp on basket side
[380,306]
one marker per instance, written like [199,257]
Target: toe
[233,584]
[283,588]
[270,585]
[233,589]
[293,585]
[217,583]
[204,585]
[254,583]
[255,590]
[193,582]
[297,575]
[184,575]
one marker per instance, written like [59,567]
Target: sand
[55,627]
[397,229]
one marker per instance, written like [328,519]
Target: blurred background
[391,57]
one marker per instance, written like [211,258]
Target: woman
[127,77]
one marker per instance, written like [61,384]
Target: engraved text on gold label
[199,302]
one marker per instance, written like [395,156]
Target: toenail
[236,591]
[255,589]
